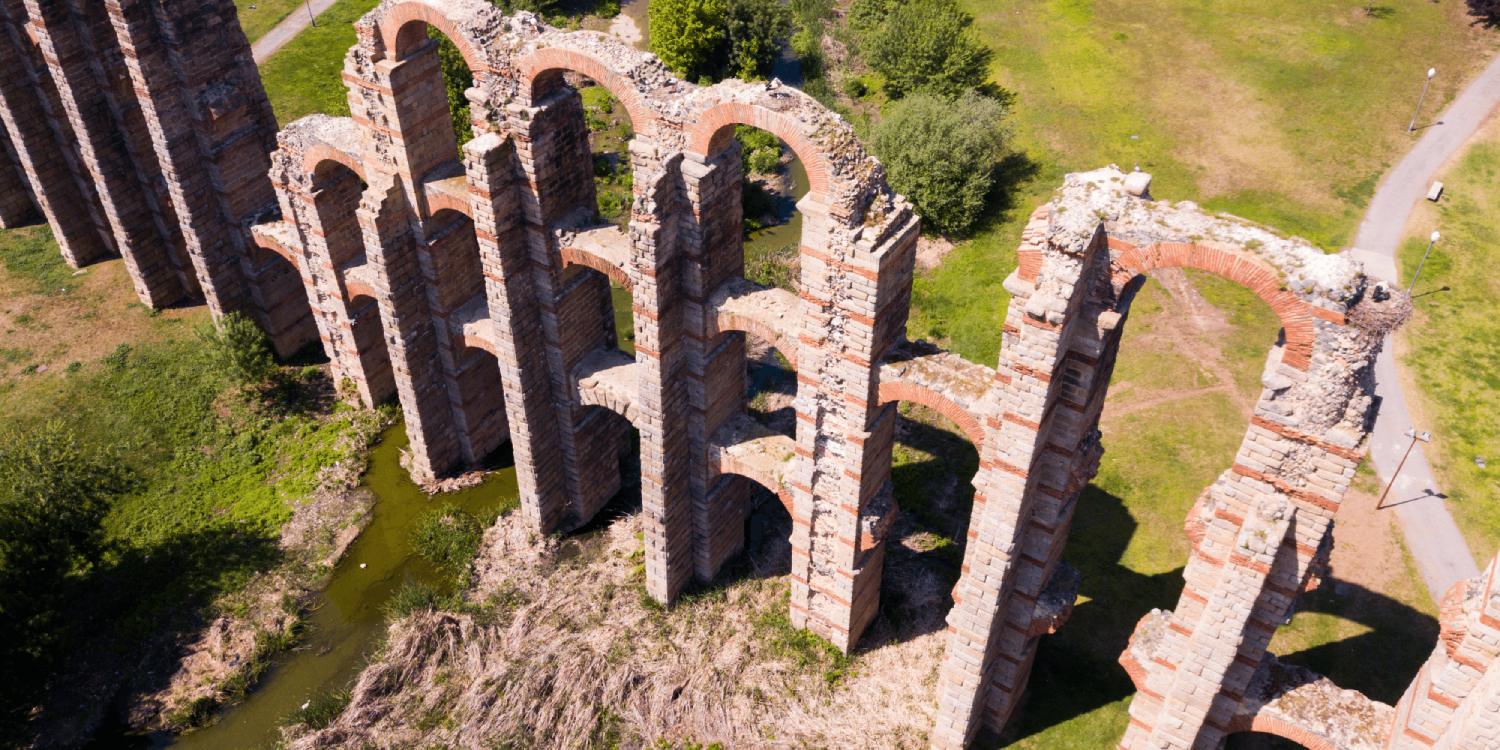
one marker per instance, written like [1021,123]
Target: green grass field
[304,77]
[1283,112]
[216,471]
[259,16]
[1453,341]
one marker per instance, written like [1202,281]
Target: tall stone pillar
[712,244]
[44,150]
[16,206]
[212,131]
[518,296]
[662,357]
[76,44]
[391,247]
[1454,703]
[1040,449]
[855,291]
[556,183]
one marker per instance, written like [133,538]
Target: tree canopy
[923,45]
[716,39]
[942,153]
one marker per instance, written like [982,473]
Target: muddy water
[789,231]
[348,621]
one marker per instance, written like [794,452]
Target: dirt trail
[1198,342]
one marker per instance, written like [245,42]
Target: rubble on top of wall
[1123,203]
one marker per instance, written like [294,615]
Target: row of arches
[496,289]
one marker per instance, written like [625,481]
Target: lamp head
[1431,72]
[1435,236]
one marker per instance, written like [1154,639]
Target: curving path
[1441,554]
[287,30]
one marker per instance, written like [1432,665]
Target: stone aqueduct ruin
[476,291]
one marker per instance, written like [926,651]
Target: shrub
[237,349]
[713,39]
[941,153]
[413,597]
[922,45]
[320,710]
[448,538]
[54,494]
[760,151]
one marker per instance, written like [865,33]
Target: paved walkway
[287,30]
[1442,555]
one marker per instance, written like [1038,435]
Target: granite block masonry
[473,286]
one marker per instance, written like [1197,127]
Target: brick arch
[354,289]
[730,322]
[714,128]
[478,341]
[439,201]
[542,68]
[270,245]
[397,22]
[891,392]
[600,398]
[572,256]
[728,466]
[1252,273]
[319,155]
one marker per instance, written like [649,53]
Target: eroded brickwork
[142,130]
[473,286]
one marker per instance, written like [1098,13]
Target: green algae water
[789,231]
[348,619]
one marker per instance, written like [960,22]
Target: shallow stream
[348,618]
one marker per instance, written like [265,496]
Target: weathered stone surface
[471,286]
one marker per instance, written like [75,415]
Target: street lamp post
[1425,437]
[314,18]
[1431,240]
[1413,124]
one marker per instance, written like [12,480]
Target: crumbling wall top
[1102,195]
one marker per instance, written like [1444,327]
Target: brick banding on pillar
[470,286]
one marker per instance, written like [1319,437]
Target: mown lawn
[1452,344]
[259,16]
[304,77]
[1285,112]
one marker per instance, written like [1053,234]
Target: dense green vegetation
[708,40]
[942,154]
[922,45]
[1453,342]
[138,488]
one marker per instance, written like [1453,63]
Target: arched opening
[767,530]
[1260,741]
[582,135]
[933,464]
[456,279]
[772,181]
[284,311]
[369,343]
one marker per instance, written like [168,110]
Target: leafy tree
[760,150]
[756,30]
[54,493]
[713,39]
[688,35]
[942,153]
[923,45]
[237,349]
